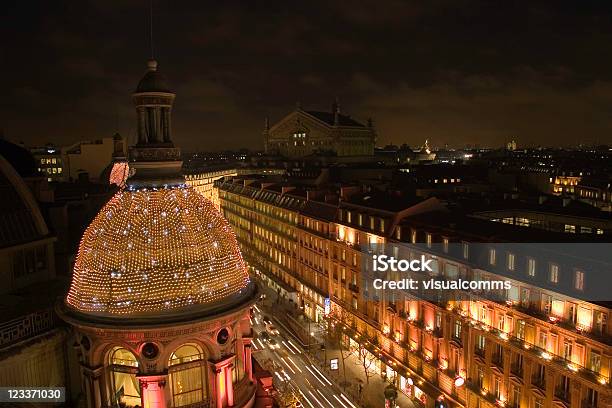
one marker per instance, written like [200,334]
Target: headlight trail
[315,376]
[325,378]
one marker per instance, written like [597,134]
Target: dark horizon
[476,73]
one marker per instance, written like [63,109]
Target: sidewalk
[372,395]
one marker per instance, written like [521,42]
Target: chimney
[336,112]
[347,191]
[286,189]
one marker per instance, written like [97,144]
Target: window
[480,377]
[497,387]
[579,280]
[457,329]
[398,233]
[428,240]
[413,236]
[492,256]
[516,396]
[567,350]
[510,261]
[554,273]
[542,340]
[531,267]
[520,329]
[186,381]
[125,384]
[445,244]
[466,250]
[592,397]
[570,229]
[595,361]
[382,225]
[480,342]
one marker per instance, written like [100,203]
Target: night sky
[456,72]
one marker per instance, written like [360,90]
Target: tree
[366,359]
[335,331]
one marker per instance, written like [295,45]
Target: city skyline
[475,74]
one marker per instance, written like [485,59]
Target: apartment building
[540,346]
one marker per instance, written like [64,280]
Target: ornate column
[219,390]
[152,390]
[142,138]
[223,382]
[229,385]
[92,385]
[248,362]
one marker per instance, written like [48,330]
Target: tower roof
[153,80]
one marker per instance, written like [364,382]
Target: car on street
[273,344]
[265,336]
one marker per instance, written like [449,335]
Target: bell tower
[154,158]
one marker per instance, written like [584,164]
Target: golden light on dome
[153,250]
[119,173]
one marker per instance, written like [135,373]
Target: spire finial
[151,28]
[336,111]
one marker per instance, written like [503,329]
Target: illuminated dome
[152,252]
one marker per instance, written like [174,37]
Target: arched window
[187,375]
[125,386]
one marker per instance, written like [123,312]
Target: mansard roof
[328,117]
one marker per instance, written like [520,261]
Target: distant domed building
[160,295]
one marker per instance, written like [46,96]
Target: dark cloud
[455,72]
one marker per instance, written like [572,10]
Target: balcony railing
[25,327]
[562,393]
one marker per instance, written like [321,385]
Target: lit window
[554,273]
[428,240]
[570,229]
[466,250]
[510,261]
[445,244]
[531,267]
[492,256]
[579,280]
